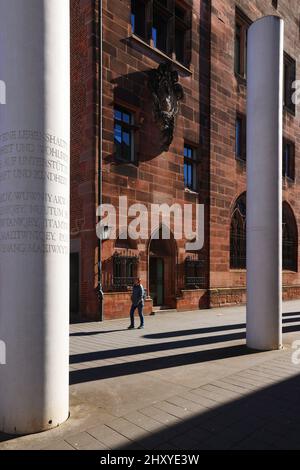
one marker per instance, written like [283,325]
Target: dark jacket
[138,294]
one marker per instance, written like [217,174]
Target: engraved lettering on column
[31,221]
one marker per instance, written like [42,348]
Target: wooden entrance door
[156,277]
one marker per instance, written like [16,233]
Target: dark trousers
[140,307]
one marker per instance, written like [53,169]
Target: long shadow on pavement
[159,363]
[157,347]
[152,348]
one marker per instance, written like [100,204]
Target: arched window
[289,239]
[238,237]
[238,234]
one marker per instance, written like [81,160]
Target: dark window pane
[118,149]
[123,135]
[126,118]
[190,176]
[185,174]
[289,240]
[241,33]
[126,153]
[238,235]
[188,152]
[189,167]
[154,36]
[289,78]
[180,44]
[126,138]
[238,49]
[118,133]
[284,160]
[288,160]
[118,115]
[133,22]
[160,30]
[238,138]
[179,12]
[138,17]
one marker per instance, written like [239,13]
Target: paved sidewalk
[185,382]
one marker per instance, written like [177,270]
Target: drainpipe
[100,102]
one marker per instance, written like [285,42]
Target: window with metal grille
[124,271]
[238,237]
[194,274]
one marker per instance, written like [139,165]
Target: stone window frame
[289,77]
[125,268]
[289,239]
[240,57]
[194,273]
[193,162]
[166,9]
[288,167]
[131,129]
[242,156]
[238,234]
[138,15]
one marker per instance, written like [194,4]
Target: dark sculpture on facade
[166,93]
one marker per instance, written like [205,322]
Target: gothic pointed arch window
[238,234]
[289,239]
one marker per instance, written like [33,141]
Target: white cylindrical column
[264,183]
[34,214]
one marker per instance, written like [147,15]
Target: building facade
[160,56]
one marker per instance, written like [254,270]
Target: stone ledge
[136,41]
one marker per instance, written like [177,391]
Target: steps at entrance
[163,309]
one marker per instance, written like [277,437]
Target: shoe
[141,327]
[130,327]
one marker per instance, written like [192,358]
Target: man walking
[137,298]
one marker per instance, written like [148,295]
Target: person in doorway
[138,299]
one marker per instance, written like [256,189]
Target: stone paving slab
[185,382]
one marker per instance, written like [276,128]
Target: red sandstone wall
[83,148]
[228,176]
[158,178]
[213,95]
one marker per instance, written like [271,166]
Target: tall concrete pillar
[34,214]
[264,183]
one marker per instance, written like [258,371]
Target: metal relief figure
[166,93]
